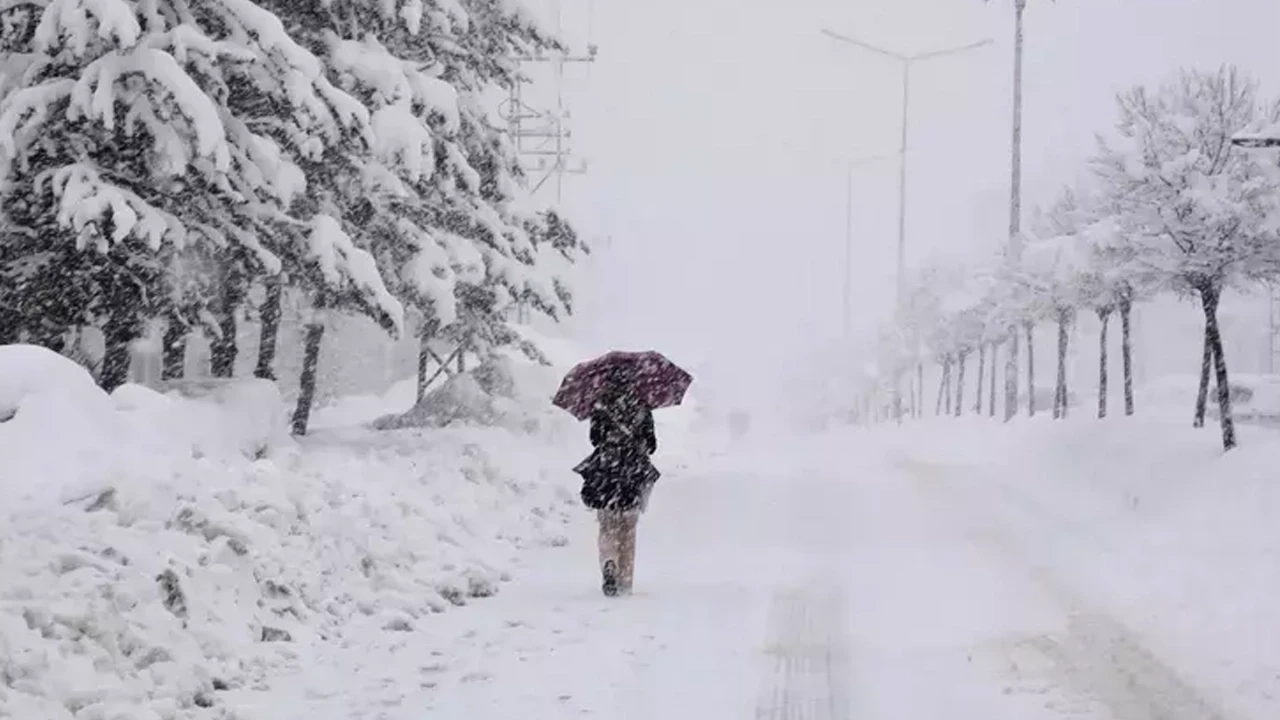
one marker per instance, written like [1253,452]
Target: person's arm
[650,436]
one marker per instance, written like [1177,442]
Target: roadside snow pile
[1150,521]
[487,396]
[57,428]
[160,552]
[366,408]
[244,417]
[62,437]
[33,378]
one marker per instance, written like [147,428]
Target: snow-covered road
[869,585]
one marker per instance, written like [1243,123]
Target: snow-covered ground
[164,554]
[974,571]
[961,569]
[1149,528]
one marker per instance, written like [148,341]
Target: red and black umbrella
[649,376]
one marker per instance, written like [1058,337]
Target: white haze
[715,129]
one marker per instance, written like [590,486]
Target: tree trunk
[962,361]
[1104,316]
[1011,376]
[225,348]
[982,370]
[1031,369]
[995,352]
[49,338]
[1126,349]
[1210,298]
[944,386]
[919,390]
[428,331]
[1015,185]
[1202,395]
[424,360]
[911,392]
[118,332]
[269,336]
[1060,390]
[897,396]
[174,350]
[10,326]
[307,390]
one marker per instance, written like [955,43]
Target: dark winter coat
[618,474]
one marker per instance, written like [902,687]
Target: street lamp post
[846,313]
[846,317]
[906,61]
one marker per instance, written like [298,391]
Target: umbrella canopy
[649,377]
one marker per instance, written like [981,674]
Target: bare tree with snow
[1197,210]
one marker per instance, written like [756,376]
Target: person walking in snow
[618,392]
[618,477]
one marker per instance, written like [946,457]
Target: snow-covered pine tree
[141,137]
[438,201]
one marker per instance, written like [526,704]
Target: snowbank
[57,428]
[225,417]
[161,598]
[63,438]
[160,552]
[1189,533]
[490,395]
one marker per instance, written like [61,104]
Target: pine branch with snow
[157,131]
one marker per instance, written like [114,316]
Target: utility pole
[846,311]
[1015,186]
[1015,214]
[540,136]
[1272,328]
[900,276]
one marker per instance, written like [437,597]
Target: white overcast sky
[715,129]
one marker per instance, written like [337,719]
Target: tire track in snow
[808,649]
[1098,655]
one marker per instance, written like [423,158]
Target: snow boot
[610,579]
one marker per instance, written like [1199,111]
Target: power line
[540,136]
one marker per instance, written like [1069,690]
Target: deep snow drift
[158,551]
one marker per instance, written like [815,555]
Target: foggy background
[715,132]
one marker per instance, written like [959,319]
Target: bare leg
[627,550]
[610,548]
